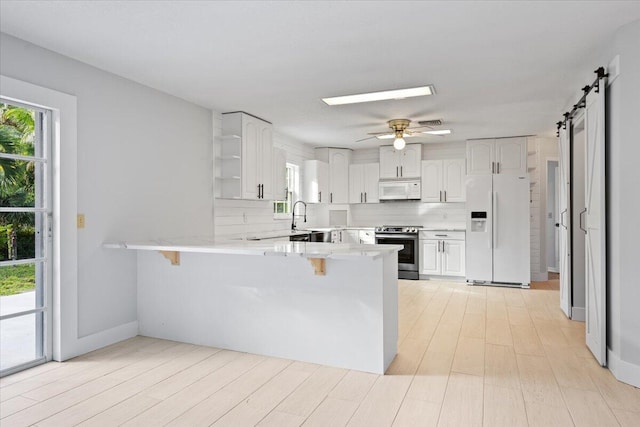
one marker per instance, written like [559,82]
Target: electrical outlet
[81,221]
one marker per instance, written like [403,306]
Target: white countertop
[259,247]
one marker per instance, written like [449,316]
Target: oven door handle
[397,236]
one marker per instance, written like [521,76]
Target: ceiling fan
[400,129]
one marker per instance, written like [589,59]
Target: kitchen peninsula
[332,304]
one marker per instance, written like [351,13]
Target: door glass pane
[19,338]
[21,235]
[18,291]
[19,180]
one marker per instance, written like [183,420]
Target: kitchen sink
[312,236]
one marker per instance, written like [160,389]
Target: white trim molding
[107,337]
[622,370]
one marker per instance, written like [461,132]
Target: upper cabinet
[339,160]
[397,164]
[443,180]
[363,183]
[316,181]
[497,156]
[247,157]
[327,178]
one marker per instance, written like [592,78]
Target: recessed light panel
[380,96]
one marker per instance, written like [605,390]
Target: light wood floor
[467,356]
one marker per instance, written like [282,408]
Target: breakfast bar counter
[331,304]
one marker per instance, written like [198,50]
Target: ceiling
[499,68]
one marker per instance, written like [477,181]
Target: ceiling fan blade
[364,139]
[380,133]
[419,127]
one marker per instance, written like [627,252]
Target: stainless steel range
[406,236]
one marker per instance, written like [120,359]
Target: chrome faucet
[293,214]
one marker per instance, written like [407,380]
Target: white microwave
[399,190]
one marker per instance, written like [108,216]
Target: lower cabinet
[442,253]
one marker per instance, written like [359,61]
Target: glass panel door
[25,235]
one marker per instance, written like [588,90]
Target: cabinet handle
[443,250]
[440,195]
[330,197]
[365,197]
[397,175]
[319,196]
[498,166]
[262,191]
[360,197]
[401,171]
[258,191]
[493,167]
[442,235]
[445,195]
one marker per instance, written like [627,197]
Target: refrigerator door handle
[490,223]
[495,220]
[580,225]
[562,219]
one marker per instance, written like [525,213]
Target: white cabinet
[246,157]
[442,253]
[279,174]
[443,180]
[363,183]
[405,163]
[453,257]
[497,156]
[335,186]
[316,181]
[339,175]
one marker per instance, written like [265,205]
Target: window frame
[292,176]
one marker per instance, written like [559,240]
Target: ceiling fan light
[399,143]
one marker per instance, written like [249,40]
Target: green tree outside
[17,189]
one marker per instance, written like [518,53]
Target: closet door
[564,207]
[594,225]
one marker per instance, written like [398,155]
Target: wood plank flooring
[468,356]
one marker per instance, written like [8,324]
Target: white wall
[144,171]
[623,233]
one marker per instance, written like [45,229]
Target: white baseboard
[103,339]
[578,314]
[623,371]
[539,277]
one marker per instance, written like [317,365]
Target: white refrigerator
[498,230]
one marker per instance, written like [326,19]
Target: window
[282,208]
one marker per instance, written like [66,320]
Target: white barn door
[564,207]
[593,223]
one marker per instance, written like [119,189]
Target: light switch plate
[80,220]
